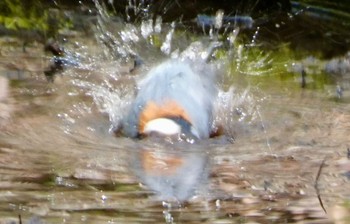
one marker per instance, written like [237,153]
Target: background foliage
[32,15]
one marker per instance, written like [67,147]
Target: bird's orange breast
[153,111]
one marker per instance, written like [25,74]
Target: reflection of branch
[316,184]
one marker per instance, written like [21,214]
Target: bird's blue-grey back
[192,86]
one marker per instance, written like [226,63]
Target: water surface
[61,161]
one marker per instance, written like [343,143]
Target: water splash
[166,46]
[106,73]
[109,100]
[120,43]
[235,110]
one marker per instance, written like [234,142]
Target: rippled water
[61,161]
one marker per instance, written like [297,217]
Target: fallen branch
[316,184]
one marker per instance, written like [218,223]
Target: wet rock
[61,59]
[34,220]
[340,66]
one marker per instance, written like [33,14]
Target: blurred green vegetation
[32,15]
[16,14]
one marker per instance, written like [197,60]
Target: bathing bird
[174,98]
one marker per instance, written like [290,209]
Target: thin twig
[20,219]
[316,184]
[303,79]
